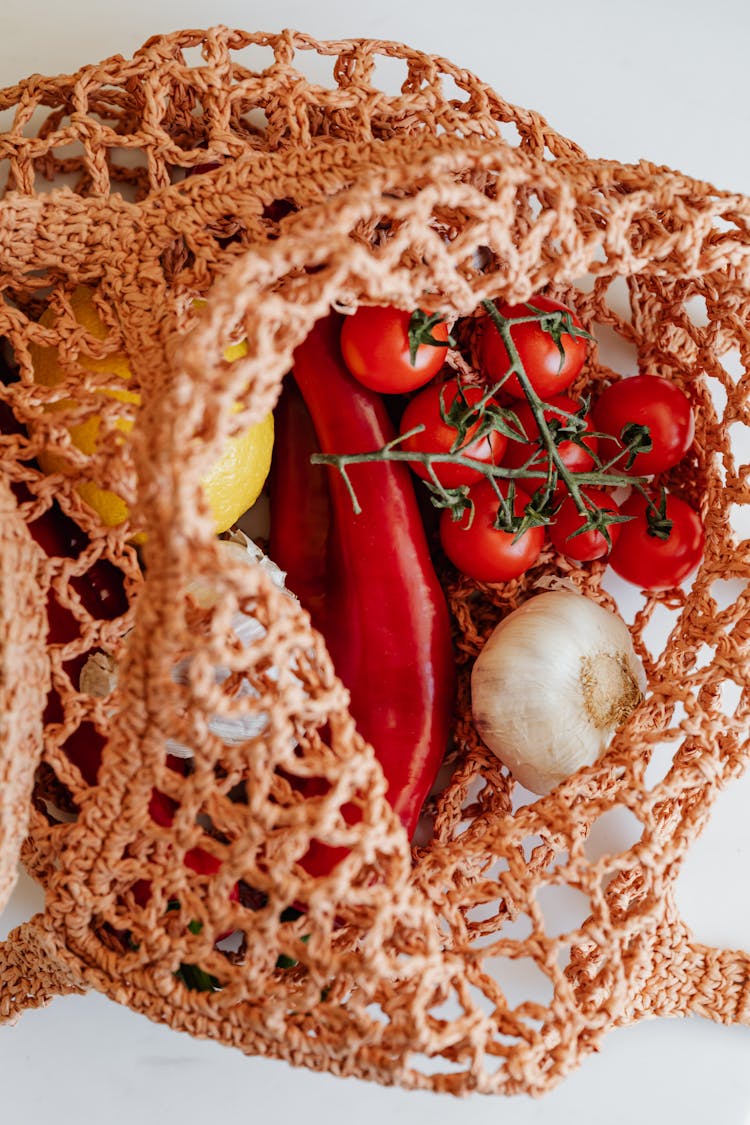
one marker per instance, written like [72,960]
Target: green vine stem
[458,499]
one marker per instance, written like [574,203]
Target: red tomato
[652,563]
[575,457]
[375,348]
[549,371]
[589,545]
[482,551]
[646,400]
[438,436]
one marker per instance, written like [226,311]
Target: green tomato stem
[503,325]
[457,498]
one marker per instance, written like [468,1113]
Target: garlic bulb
[247,629]
[100,673]
[554,681]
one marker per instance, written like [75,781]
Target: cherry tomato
[577,458]
[375,348]
[646,400]
[589,545]
[549,371]
[642,558]
[482,551]
[438,436]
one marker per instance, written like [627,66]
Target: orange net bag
[434,966]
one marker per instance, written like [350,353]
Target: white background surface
[660,79]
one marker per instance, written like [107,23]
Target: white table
[666,81]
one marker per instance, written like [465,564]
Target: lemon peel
[231,485]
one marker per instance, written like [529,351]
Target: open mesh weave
[435,966]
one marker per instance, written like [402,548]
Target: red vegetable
[586,545]
[549,367]
[300,504]
[653,563]
[385,622]
[381,348]
[481,550]
[438,435]
[577,458]
[646,400]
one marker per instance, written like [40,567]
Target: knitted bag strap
[24,681]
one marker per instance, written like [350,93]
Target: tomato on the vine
[438,436]
[578,458]
[583,546]
[646,400]
[393,351]
[482,551]
[654,563]
[551,359]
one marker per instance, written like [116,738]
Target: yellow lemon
[232,484]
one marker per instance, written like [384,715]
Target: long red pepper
[300,505]
[386,622]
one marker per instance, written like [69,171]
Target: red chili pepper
[300,505]
[386,622]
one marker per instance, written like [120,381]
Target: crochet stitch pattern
[210,166]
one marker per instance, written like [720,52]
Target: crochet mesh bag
[435,966]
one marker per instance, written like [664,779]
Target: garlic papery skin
[247,629]
[99,675]
[554,681]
